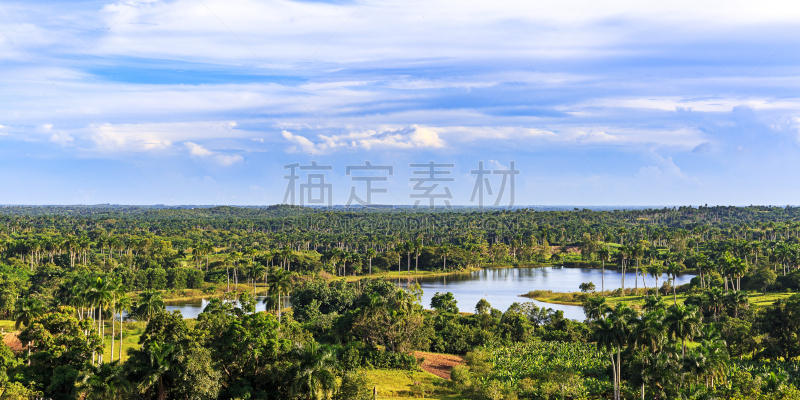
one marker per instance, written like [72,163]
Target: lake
[501,287]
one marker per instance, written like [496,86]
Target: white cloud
[596,137]
[156,136]
[404,138]
[665,168]
[226,160]
[196,150]
[61,138]
[284,30]
[494,164]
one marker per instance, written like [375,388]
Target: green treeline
[85,289]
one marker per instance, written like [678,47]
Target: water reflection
[193,307]
[502,287]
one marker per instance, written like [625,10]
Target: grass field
[574,298]
[130,339]
[394,384]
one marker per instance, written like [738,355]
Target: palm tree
[159,358]
[611,334]
[674,269]
[595,307]
[604,255]
[279,284]
[315,377]
[655,271]
[287,254]
[149,304]
[648,334]
[624,254]
[99,293]
[208,249]
[408,248]
[123,304]
[638,253]
[682,323]
[103,382]
[116,291]
[736,300]
[444,251]
[417,249]
[370,255]
[26,310]
[702,261]
[713,298]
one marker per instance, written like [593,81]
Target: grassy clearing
[7,326]
[757,299]
[394,384]
[130,339]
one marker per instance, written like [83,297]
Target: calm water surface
[501,287]
[192,308]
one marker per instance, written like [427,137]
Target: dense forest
[83,292]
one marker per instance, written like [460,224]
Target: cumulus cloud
[405,138]
[196,150]
[61,138]
[226,160]
[494,164]
[595,137]
[664,168]
[156,137]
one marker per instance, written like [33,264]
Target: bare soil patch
[439,364]
[11,340]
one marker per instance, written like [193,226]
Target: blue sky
[203,102]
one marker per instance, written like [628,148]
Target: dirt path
[439,364]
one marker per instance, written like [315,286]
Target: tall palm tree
[370,255]
[160,362]
[99,294]
[638,253]
[124,304]
[674,269]
[648,334]
[315,377]
[149,304]
[444,251]
[682,323]
[655,271]
[287,254]
[279,284]
[604,253]
[417,245]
